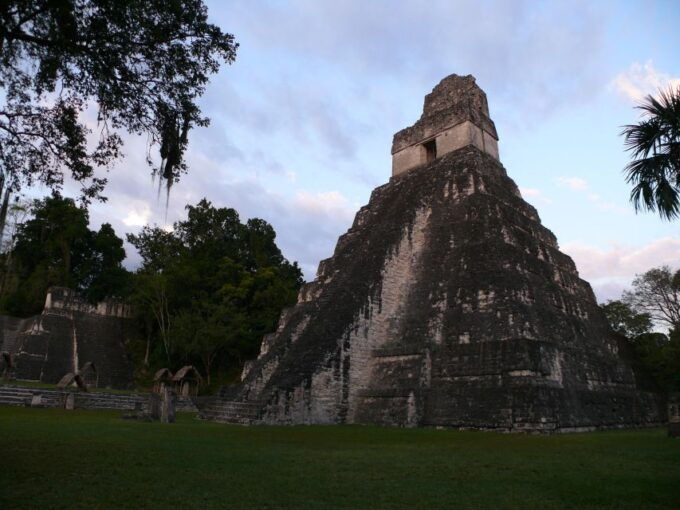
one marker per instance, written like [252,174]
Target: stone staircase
[14,396]
[23,396]
[228,411]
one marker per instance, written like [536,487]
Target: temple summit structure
[447,303]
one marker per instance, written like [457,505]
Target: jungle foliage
[56,247]
[208,290]
[650,307]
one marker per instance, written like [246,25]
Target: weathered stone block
[69,401]
[168,404]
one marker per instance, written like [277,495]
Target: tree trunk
[66,255]
[3,214]
[207,361]
[148,346]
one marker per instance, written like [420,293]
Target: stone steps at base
[226,411]
[14,400]
[234,408]
[221,418]
[13,396]
[18,396]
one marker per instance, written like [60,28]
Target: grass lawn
[92,459]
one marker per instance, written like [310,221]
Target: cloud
[137,218]
[641,80]
[536,59]
[328,204]
[611,270]
[535,194]
[582,187]
[319,88]
[574,183]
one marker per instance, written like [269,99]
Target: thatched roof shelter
[187,372]
[88,367]
[89,374]
[187,380]
[163,374]
[69,379]
[161,378]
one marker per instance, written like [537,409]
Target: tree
[142,64]
[660,357]
[56,248]
[654,300]
[102,275]
[224,285]
[657,294]
[17,213]
[149,298]
[625,321]
[655,145]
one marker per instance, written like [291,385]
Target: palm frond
[641,138]
[655,146]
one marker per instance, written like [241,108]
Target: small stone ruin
[71,380]
[161,379]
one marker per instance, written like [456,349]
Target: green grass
[85,459]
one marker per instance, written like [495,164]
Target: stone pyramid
[447,303]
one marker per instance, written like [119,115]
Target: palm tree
[655,146]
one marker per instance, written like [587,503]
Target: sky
[302,122]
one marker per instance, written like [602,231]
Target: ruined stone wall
[68,333]
[60,298]
[447,303]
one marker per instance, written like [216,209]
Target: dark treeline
[205,293]
[648,316]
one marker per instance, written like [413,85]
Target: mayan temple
[447,303]
[66,335]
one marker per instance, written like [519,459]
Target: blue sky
[302,123]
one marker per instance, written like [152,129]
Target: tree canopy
[211,288]
[625,321]
[657,294]
[653,301]
[55,247]
[142,65]
[654,144]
